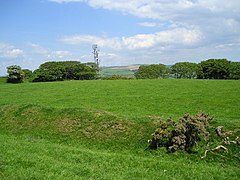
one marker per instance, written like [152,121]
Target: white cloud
[49,54]
[9,55]
[9,51]
[163,9]
[88,39]
[228,45]
[183,11]
[60,54]
[214,18]
[36,48]
[14,53]
[65,1]
[180,36]
[188,30]
[150,24]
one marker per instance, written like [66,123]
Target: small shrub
[15,74]
[181,135]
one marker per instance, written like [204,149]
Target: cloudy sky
[127,31]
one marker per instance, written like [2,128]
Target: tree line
[75,70]
[54,71]
[209,69]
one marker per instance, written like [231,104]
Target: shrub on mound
[189,130]
[181,135]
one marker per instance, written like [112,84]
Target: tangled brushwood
[181,135]
[189,130]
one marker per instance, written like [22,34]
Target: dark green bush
[181,135]
[65,70]
[152,71]
[214,69]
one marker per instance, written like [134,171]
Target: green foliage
[28,74]
[182,135]
[209,69]
[87,71]
[214,69]
[153,71]
[184,70]
[15,74]
[44,75]
[66,70]
[234,70]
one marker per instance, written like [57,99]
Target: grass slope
[134,98]
[99,129]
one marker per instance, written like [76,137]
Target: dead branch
[214,149]
[220,147]
[228,141]
[218,130]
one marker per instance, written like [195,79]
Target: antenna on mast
[95,54]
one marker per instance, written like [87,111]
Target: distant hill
[119,70]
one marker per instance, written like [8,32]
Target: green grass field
[3,80]
[99,129]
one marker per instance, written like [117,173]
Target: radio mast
[95,54]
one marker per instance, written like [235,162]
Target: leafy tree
[214,69]
[43,75]
[184,70]
[152,71]
[83,72]
[89,71]
[70,69]
[15,74]
[49,71]
[28,74]
[234,70]
[66,70]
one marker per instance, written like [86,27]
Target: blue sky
[127,31]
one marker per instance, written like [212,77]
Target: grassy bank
[99,129]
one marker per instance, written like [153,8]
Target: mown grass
[99,129]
